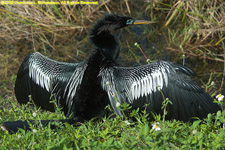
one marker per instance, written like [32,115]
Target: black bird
[84,89]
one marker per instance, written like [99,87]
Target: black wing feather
[41,78]
[146,84]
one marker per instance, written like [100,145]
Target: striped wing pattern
[151,84]
[42,77]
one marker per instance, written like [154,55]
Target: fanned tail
[14,126]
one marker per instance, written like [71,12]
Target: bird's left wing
[151,84]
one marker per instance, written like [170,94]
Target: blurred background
[186,32]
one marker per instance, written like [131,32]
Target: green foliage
[111,132]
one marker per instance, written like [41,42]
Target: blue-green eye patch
[129,21]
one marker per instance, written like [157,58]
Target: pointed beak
[142,22]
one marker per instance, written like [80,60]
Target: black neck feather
[102,38]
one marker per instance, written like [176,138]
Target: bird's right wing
[41,77]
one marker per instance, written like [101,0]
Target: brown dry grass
[194,31]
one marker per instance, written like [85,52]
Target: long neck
[105,42]
[95,58]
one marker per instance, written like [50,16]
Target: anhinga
[84,89]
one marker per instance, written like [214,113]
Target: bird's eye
[129,21]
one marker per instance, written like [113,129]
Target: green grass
[110,132]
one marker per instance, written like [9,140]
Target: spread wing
[151,84]
[41,77]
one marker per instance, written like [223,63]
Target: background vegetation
[189,32]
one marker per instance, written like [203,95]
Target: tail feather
[14,126]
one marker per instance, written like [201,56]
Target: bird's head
[111,22]
[101,33]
